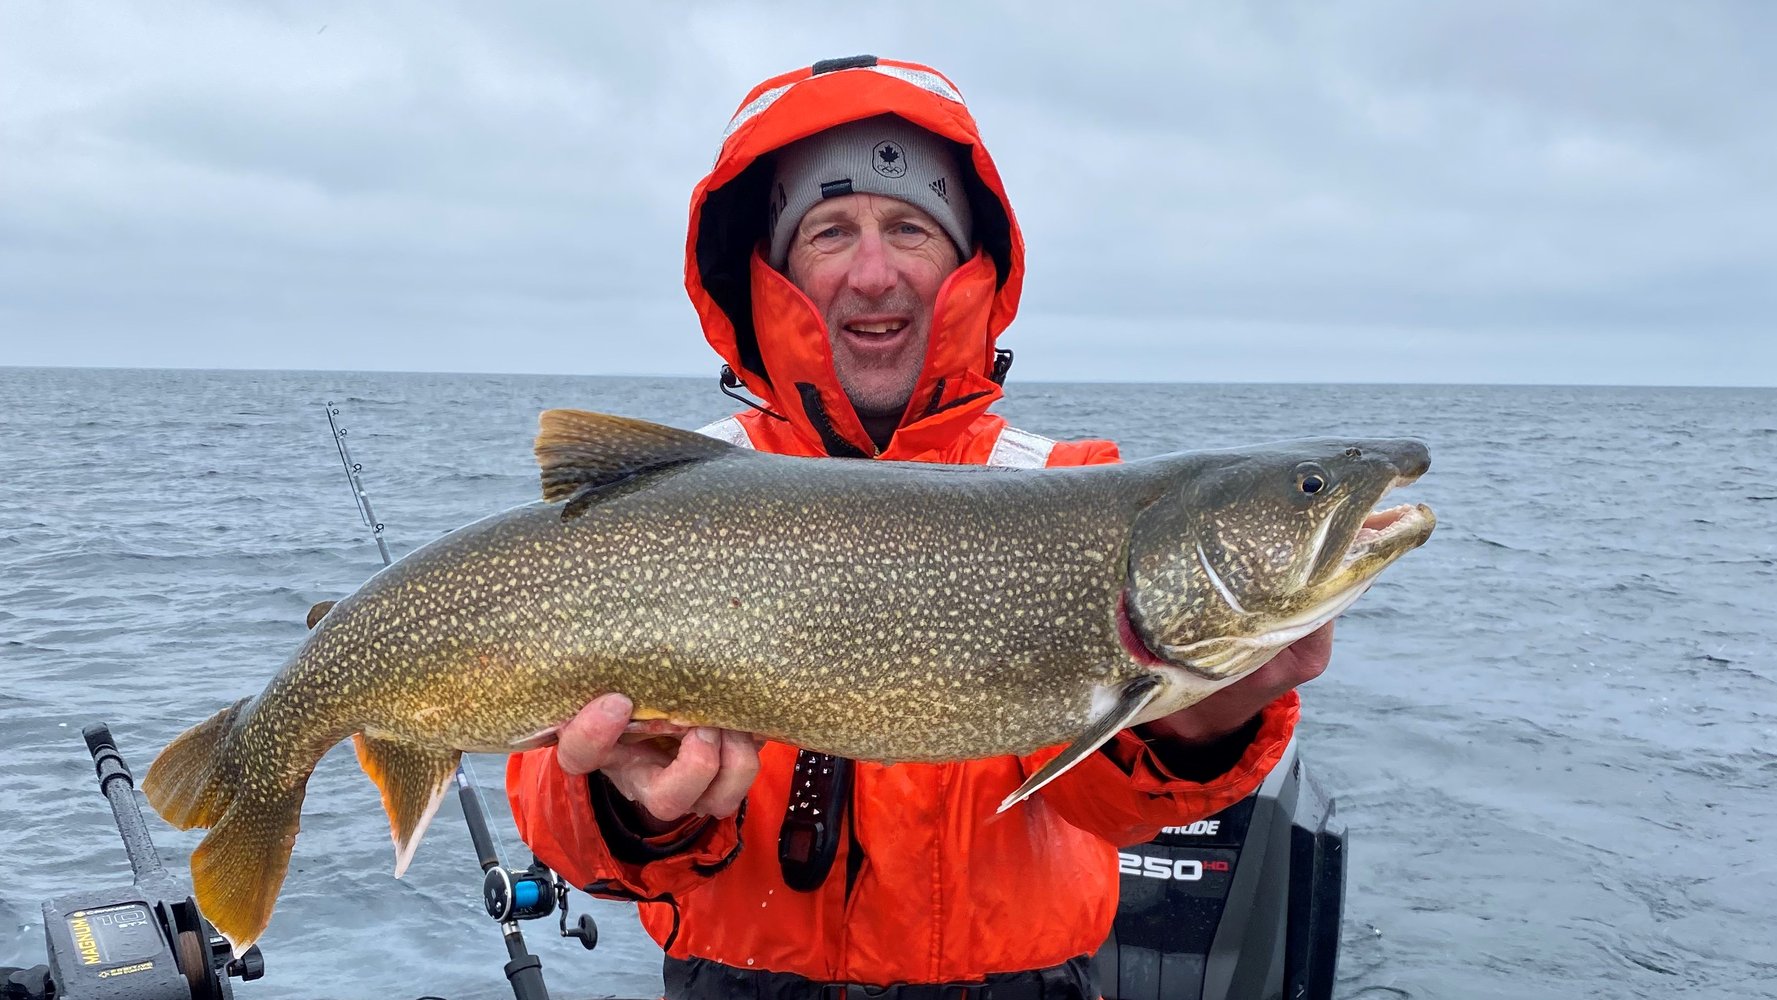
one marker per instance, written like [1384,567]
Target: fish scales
[768,613]
[873,610]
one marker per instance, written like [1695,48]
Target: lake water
[1553,731]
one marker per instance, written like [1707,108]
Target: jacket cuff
[556,816]
[1201,762]
[626,837]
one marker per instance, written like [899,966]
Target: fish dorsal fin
[579,451]
[1132,697]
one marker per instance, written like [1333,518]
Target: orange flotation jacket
[926,885]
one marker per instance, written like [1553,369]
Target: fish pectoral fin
[583,454]
[412,779]
[540,738]
[1132,697]
[319,611]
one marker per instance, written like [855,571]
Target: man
[853,258]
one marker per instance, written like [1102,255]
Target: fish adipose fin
[240,865]
[582,454]
[1132,697]
[319,611]
[413,780]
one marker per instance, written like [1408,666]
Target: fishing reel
[514,894]
[144,941]
[533,893]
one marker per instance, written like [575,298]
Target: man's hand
[1234,706]
[707,773]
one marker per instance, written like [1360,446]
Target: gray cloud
[1380,191]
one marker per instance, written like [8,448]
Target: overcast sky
[1276,191]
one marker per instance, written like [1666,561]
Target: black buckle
[1002,365]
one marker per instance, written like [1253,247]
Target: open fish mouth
[1392,529]
[1387,533]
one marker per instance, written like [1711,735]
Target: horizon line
[1025,380]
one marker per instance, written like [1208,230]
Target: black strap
[704,979]
[820,788]
[936,398]
[730,382]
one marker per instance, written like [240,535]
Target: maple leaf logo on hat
[890,161]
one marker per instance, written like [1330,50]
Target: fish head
[1244,552]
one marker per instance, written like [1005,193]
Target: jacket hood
[770,333]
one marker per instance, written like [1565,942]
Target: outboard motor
[1244,905]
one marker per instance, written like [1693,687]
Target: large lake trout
[881,611]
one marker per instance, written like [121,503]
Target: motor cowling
[1244,904]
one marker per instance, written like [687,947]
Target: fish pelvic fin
[186,784]
[413,780]
[581,453]
[1132,697]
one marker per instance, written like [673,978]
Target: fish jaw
[1387,535]
[1225,658]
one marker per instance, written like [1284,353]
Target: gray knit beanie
[886,155]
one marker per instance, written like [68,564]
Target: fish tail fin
[412,780]
[186,784]
[1132,697]
[239,867]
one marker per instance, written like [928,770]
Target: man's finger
[643,757]
[673,790]
[740,765]
[585,743]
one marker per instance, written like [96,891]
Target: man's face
[872,265]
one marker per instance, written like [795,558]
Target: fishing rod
[354,480]
[509,894]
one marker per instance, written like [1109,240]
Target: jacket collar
[954,384]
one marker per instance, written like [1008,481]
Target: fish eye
[1311,479]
